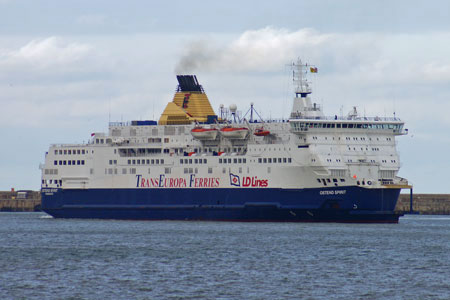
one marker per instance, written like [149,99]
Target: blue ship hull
[340,204]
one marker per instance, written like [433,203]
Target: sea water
[46,258]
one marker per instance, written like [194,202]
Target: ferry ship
[194,164]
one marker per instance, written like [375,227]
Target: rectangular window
[82,151]
[69,152]
[64,162]
[60,152]
[244,160]
[259,160]
[269,160]
[229,160]
[148,161]
[264,160]
[210,170]
[69,162]
[153,161]
[185,170]
[56,152]
[157,161]
[73,162]
[110,162]
[289,160]
[167,170]
[235,160]
[79,152]
[196,161]
[82,162]
[162,161]
[60,162]
[78,162]
[55,162]
[220,160]
[181,161]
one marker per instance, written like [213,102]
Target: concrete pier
[20,201]
[426,204]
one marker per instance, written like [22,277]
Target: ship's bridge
[393,125]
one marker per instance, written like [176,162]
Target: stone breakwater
[427,204]
[20,201]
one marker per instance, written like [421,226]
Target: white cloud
[254,50]
[45,53]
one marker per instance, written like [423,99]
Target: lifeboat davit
[261,132]
[238,133]
[201,133]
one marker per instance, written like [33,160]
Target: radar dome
[233,108]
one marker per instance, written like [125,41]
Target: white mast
[303,107]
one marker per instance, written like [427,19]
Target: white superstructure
[309,150]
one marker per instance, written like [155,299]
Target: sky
[69,67]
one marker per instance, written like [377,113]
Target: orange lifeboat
[261,132]
[238,133]
[201,133]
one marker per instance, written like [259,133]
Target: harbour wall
[20,201]
[427,204]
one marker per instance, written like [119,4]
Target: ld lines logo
[235,180]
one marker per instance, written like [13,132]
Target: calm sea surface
[45,258]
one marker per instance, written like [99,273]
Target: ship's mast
[301,84]
[303,106]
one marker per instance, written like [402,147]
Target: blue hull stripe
[341,204]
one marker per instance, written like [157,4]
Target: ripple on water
[46,258]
